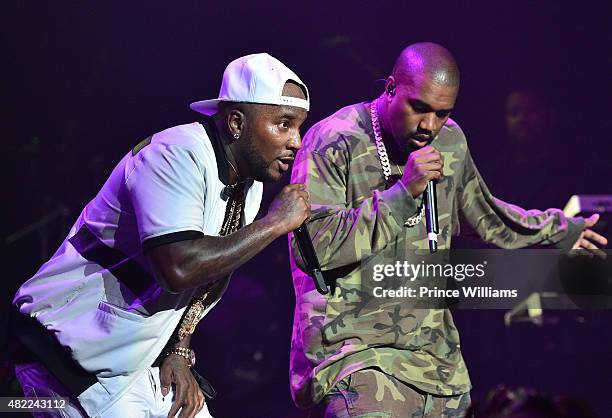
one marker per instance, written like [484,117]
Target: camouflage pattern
[353,217]
[371,393]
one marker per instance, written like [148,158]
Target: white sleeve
[167,188]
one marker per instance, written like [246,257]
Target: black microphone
[313,268]
[431,215]
[227,192]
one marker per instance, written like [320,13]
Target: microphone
[431,215]
[313,268]
[227,192]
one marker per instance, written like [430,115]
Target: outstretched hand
[188,398]
[589,239]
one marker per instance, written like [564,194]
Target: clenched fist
[290,208]
[423,165]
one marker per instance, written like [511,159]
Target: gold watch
[187,353]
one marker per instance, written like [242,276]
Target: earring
[236,135]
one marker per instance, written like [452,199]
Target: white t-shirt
[97,294]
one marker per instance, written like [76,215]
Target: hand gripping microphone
[431,215]
[311,262]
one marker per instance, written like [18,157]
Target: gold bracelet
[187,353]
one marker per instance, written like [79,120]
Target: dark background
[84,81]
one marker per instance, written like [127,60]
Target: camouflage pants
[370,393]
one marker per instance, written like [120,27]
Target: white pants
[142,400]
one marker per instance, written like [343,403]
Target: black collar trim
[220,155]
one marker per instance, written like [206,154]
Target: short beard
[258,166]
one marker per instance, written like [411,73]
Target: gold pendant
[194,314]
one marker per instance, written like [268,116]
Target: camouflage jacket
[354,216]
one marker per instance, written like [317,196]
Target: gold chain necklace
[231,223]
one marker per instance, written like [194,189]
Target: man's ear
[235,122]
[390,87]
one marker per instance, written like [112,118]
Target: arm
[192,263]
[166,184]
[509,226]
[345,232]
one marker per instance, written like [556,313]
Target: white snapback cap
[255,78]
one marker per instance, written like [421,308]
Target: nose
[295,143]
[428,122]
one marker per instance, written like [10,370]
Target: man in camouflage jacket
[358,355]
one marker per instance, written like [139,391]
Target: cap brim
[208,107]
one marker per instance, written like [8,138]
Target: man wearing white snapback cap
[107,321]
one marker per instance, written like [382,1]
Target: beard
[419,139]
[258,166]
[407,140]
